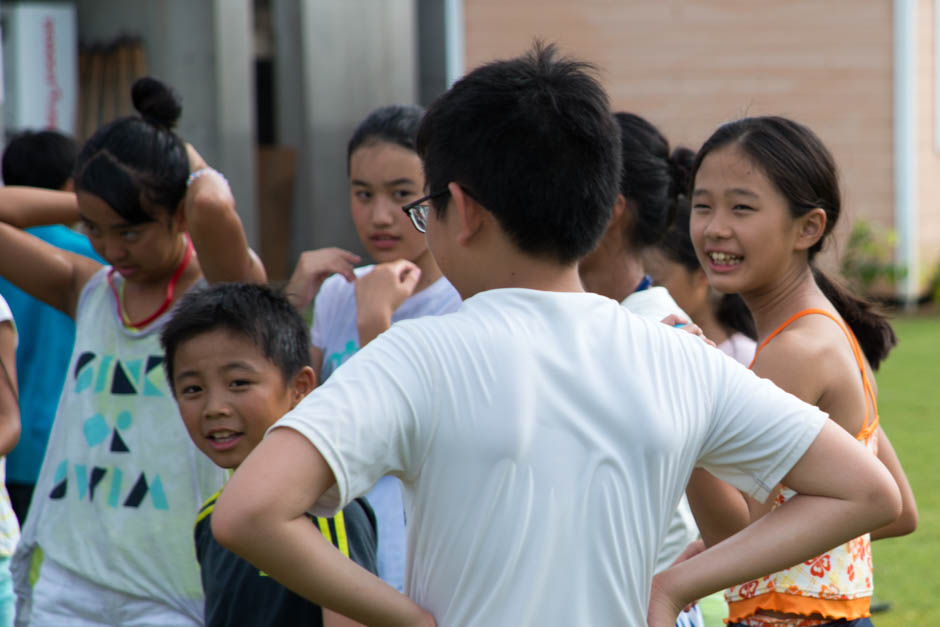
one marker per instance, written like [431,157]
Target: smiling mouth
[224,438]
[724,259]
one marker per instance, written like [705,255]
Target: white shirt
[9,527]
[654,304]
[543,440]
[335,331]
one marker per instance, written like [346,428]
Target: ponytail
[868,323]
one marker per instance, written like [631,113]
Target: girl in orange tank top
[765,197]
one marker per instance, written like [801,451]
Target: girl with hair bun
[764,200]
[652,186]
[108,539]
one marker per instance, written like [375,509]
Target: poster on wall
[40,68]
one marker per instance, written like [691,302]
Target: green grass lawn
[907,569]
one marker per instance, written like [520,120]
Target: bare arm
[269,529]
[24,207]
[216,229]
[843,492]
[9,404]
[720,510]
[907,521]
[380,293]
[52,275]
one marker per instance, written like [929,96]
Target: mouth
[725,260]
[223,439]
[384,242]
[124,270]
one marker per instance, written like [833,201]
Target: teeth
[725,258]
[222,435]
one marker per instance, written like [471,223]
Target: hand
[679,322]
[313,268]
[380,293]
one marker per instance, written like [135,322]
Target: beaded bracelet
[202,172]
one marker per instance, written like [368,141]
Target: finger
[409,278]
[675,320]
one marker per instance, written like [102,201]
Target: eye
[701,207]
[189,390]
[362,195]
[743,208]
[130,235]
[239,383]
[402,195]
[90,229]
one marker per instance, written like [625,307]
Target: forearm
[907,522]
[24,207]
[720,510]
[299,557]
[371,324]
[805,526]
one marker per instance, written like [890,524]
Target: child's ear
[812,226]
[302,384]
[469,213]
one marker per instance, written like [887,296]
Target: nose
[717,226]
[216,404]
[383,212]
[113,249]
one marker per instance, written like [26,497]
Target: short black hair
[255,311]
[392,124]
[39,159]
[532,139]
[137,165]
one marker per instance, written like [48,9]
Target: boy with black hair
[236,361]
[39,159]
[543,435]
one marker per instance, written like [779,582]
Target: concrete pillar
[335,62]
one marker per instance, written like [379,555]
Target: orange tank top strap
[871,406]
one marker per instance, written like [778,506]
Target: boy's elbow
[233,523]
[884,502]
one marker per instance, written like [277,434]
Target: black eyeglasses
[417,210]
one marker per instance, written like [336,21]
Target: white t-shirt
[334,329]
[544,440]
[739,347]
[336,334]
[654,304]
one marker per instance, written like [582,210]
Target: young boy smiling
[237,360]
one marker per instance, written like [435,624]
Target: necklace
[118,296]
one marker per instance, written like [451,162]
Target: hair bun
[680,168]
[156,102]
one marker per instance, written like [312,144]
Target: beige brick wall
[928,155]
[688,65]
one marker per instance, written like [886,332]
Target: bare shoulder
[806,359]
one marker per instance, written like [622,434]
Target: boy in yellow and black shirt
[237,359]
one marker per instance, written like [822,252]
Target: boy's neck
[522,271]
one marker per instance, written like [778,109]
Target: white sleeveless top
[121,481]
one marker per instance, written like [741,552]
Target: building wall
[928,148]
[689,65]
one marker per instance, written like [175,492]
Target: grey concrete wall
[335,62]
[204,50]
